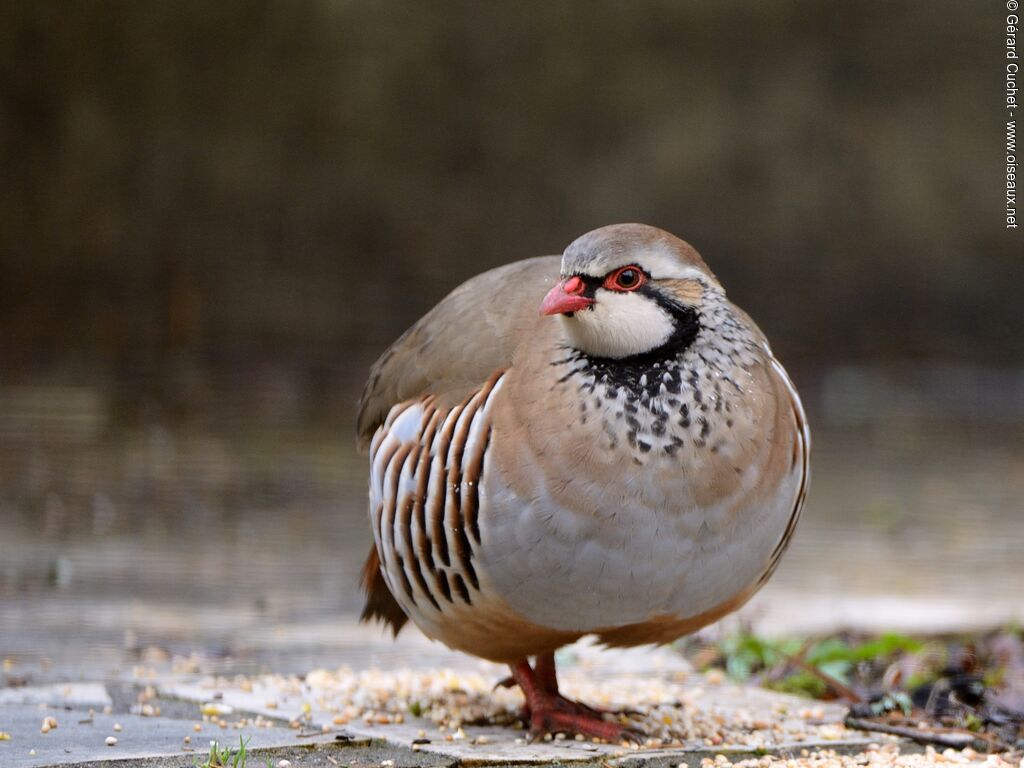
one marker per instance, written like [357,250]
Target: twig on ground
[845,691]
[943,737]
[779,670]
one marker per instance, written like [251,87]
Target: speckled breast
[657,493]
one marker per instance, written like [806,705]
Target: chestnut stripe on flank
[406,586]
[417,542]
[442,579]
[460,587]
[389,485]
[380,461]
[423,470]
[380,512]
[454,521]
[416,567]
[438,494]
[425,489]
[393,477]
[398,514]
[471,504]
[473,464]
[424,546]
[403,525]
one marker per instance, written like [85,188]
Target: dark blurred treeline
[198,196]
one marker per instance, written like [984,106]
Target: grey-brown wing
[455,346]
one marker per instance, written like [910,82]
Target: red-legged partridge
[629,462]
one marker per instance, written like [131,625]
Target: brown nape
[380,603]
[687,291]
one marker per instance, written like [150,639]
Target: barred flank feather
[426,464]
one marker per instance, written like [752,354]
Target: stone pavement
[418,708]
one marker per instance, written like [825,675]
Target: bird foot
[546,711]
[553,713]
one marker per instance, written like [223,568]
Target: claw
[505,682]
[633,736]
[555,719]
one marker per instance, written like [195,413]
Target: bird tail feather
[380,603]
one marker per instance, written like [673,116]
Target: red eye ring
[627,278]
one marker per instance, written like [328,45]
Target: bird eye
[625,279]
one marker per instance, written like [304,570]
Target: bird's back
[458,344]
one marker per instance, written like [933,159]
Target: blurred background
[214,216]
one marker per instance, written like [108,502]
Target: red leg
[544,667]
[543,671]
[550,712]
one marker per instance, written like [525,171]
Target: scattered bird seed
[111,741]
[117,727]
[215,709]
[671,710]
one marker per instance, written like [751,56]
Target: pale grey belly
[625,556]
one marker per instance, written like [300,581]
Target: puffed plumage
[633,469]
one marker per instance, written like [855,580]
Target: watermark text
[1012,69]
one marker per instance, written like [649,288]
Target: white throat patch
[619,325]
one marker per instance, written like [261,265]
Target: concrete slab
[79,738]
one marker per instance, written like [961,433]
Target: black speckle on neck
[685,327]
[644,374]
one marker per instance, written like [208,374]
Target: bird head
[630,290]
